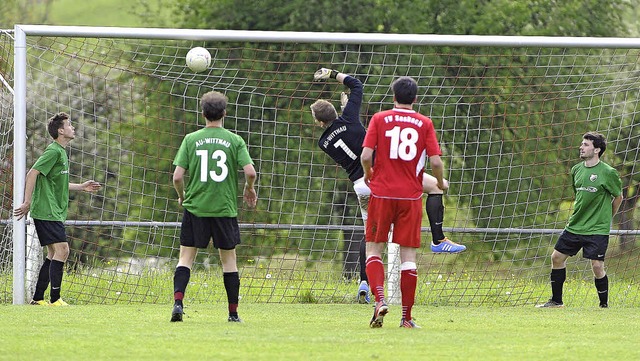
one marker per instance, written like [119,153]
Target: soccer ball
[198,59]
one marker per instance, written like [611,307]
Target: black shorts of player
[50,232]
[593,246]
[197,231]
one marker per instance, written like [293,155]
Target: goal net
[510,113]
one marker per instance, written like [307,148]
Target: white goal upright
[510,113]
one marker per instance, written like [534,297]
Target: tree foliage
[24,12]
[490,116]
[494,123]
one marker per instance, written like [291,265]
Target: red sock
[375,274]
[408,283]
[233,308]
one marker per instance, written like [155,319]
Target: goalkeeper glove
[325,73]
[344,98]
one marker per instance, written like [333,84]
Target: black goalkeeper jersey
[342,140]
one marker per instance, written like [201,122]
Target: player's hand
[368,175]
[324,74]
[250,196]
[344,98]
[444,185]
[91,186]
[22,210]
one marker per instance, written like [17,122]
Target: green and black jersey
[212,157]
[50,200]
[594,187]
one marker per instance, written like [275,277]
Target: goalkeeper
[342,141]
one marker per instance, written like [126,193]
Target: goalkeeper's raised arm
[349,104]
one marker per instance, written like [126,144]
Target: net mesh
[509,121]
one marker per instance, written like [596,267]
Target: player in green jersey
[598,191]
[211,157]
[46,195]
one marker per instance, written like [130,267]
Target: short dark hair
[405,90]
[598,140]
[56,122]
[213,105]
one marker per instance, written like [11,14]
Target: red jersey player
[402,139]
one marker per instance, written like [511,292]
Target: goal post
[19,163]
[509,111]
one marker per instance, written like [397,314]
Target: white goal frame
[21,32]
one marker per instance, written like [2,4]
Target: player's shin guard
[363,261]
[56,270]
[602,285]
[435,213]
[232,286]
[558,276]
[375,274]
[180,281]
[43,280]
[408,283]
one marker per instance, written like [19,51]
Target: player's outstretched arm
[355,86]
[88,186]
[326,73]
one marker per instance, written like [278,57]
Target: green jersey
[50,200]
[212,157]
[594,188]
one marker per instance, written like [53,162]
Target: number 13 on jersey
[220,158]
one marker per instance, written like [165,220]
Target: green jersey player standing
[598,195]
[211,157]
[46,196]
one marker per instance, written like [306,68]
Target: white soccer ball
[198,59]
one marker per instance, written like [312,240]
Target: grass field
[316,332]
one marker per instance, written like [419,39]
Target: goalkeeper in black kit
[342,141]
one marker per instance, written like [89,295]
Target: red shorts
[405,215]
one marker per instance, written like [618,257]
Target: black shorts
[593,246]
[198,231]
[50,232]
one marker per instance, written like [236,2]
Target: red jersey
[401,139]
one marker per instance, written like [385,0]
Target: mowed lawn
[316,332]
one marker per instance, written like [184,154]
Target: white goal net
[510,114]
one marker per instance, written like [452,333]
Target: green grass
[316,332]
[87,286]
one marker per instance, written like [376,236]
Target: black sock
[232,286]
[435,213]
[558,276]
[56,269]
[43,280]
[180,281]
[602,285]
[363,261]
